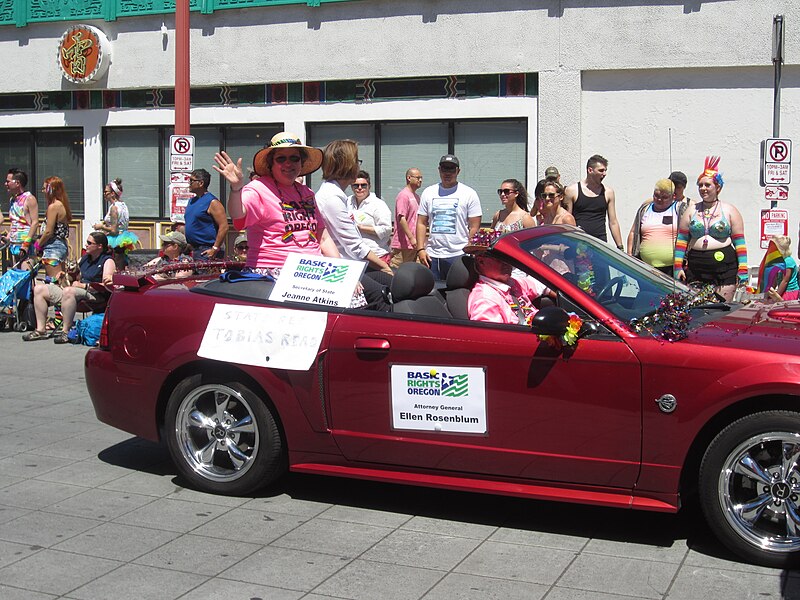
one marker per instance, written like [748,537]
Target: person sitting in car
[500,295]
[173,251]
[279,214]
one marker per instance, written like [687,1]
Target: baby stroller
[16,298]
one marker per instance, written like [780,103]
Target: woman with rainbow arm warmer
[711,238]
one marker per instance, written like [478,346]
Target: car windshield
[627,287]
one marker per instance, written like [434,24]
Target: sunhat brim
[312,163]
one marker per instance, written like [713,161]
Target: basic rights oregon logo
[433,383]
[321,270]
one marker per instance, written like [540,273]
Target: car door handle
[372,345]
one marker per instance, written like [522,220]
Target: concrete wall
[617,77]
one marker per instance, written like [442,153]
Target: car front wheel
[750,487]
[222,436]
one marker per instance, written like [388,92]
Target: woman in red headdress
[711,238]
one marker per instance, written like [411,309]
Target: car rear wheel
[223,437]
[750,487]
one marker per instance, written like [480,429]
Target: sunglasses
[282,159]
[505,192]
[448,168]
[359,185]
[548,196]
[242,248]
[91,243]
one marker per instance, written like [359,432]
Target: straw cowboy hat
[286,139]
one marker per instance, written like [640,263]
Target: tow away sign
[776,192]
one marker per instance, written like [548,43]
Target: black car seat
[460,280]
[411,288]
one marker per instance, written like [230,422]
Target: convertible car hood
[771,327]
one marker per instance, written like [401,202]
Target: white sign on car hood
[278,338]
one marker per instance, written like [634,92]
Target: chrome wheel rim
[759,491]
[216,432]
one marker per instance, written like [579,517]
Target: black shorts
[717,267]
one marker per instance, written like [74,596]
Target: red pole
[182,67]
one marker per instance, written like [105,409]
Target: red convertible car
[629,390]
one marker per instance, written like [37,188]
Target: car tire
[223,438]
[750,487]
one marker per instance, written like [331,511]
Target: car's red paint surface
[578,426]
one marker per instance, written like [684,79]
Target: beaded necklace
[708,217]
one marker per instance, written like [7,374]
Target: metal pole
[670,149]
[777,61]
[182,81]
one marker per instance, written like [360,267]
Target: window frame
[376,176]
[34,178]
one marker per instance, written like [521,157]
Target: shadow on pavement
[620,525]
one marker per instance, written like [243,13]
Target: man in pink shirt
[497,296]
[404,239]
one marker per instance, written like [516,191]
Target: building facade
[510,86]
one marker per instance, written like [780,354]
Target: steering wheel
[619,281]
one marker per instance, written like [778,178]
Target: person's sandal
[61,338]
[35,335]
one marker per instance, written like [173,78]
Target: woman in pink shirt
[278,213]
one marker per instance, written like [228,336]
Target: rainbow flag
[771,269]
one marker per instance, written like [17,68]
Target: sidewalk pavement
[88,512]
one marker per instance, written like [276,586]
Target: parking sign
[776,166]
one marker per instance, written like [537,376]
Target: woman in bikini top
[514,214]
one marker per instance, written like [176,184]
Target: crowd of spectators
[277,214]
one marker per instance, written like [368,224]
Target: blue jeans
[197,253]
[441,266]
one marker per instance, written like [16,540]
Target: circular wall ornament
[84,54]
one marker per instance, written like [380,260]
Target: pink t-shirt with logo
[280,219]
[406,204]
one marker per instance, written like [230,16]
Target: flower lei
[570,337]
[670,321]
[584,269]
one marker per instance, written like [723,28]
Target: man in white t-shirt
[453,211]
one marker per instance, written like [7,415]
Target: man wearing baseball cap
[453,212]
[679,179]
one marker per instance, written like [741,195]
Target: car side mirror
[551,320]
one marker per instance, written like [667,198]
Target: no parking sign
[776,166]
[773,222]
[181,153]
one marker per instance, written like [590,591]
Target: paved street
[88,512]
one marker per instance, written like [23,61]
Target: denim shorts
[55,250]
